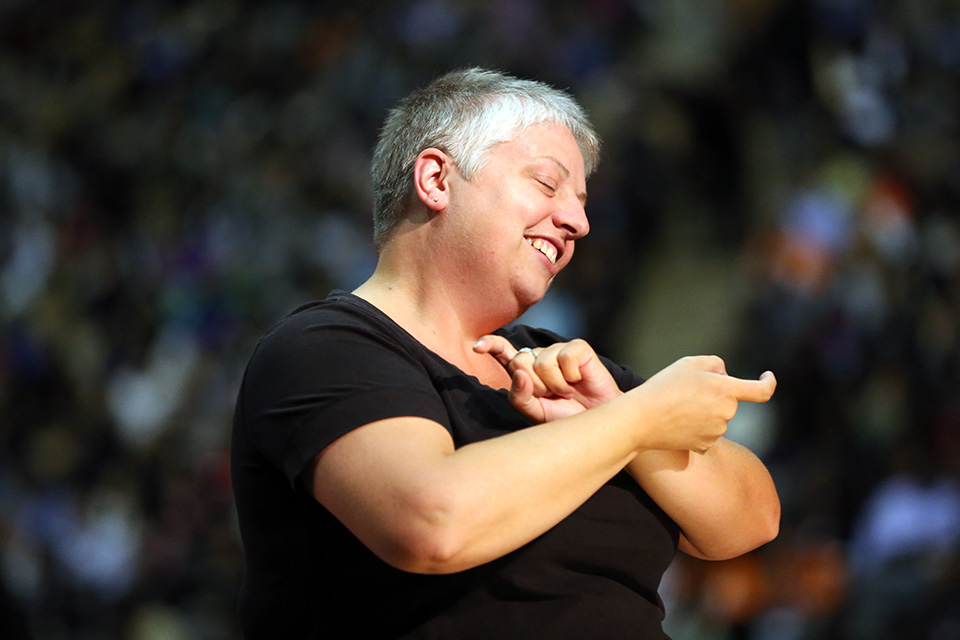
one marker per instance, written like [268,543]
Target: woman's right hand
[552,382]
[687,405]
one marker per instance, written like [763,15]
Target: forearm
[724,500]
[682,409]
[426,507]
[516,487]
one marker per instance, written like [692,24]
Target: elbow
[427,550]
[765,528]
[428,541]
[736,539]
[768,520]
[770,528]
[764,525]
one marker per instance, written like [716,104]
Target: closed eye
[547,185]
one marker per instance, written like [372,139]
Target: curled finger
[550,371]
[526,361]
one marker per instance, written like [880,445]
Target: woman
[404,467]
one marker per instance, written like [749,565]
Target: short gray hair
[464,113]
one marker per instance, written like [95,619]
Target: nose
[571,216]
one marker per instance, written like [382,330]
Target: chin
[529,300]
[527,293]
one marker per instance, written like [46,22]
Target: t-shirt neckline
[364,304]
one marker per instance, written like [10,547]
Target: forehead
[549,143]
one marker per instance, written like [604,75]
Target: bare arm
[424,506]
[724,500]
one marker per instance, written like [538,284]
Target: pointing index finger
[498,347]
[756,390]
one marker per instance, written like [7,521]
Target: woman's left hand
[552,382]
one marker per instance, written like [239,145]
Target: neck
[413,286]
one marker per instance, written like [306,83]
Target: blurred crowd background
[780,185]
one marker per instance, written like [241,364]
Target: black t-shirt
[335,365]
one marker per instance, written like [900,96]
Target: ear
[430,177]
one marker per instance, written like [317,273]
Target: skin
[700,492]
[459,267]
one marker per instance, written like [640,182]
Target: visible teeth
[545,248]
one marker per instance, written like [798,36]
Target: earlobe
[430,173]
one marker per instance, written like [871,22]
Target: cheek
[567,255]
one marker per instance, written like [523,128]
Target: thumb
[521,396]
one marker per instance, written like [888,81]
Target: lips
[545,247]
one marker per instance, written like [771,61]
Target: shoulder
[341,320]
[336,339]
[339,310]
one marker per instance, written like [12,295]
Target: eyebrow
[581,196]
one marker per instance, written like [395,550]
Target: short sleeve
[312,380]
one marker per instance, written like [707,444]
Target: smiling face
[514,223]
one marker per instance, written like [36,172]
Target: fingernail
[478,343]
